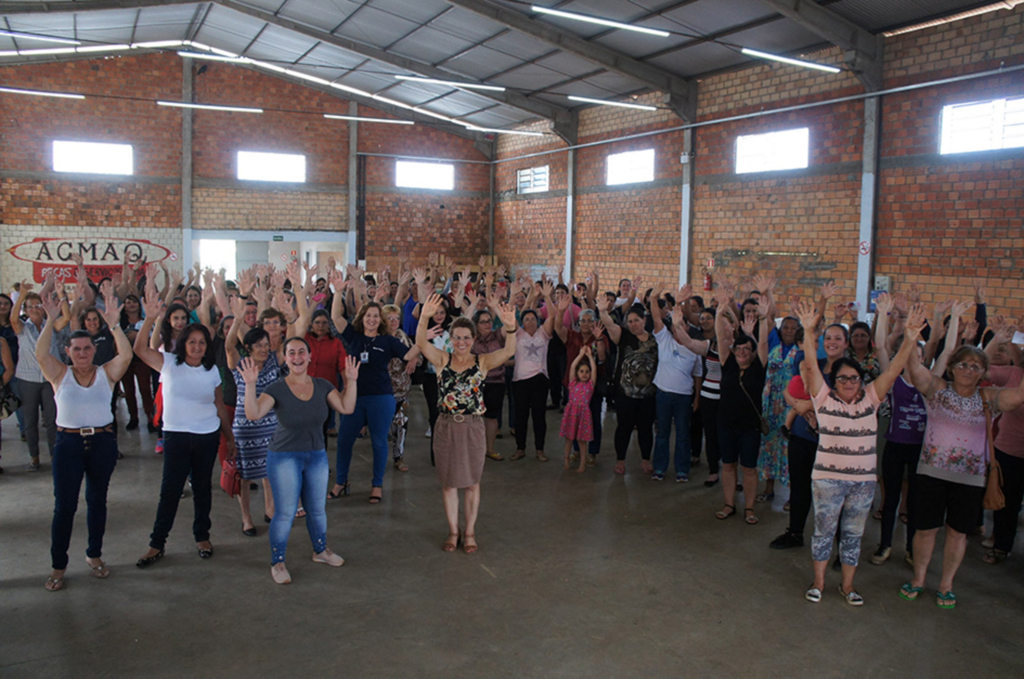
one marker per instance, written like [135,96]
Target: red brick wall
[948,222]
[417,222]
[29,125]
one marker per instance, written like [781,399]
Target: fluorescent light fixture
[209,107]
[305,76]
[353,90]
[102,48]
[40,38]
[432,114]
[59,95]
[600,22]
[495,130]
[370,120]
[787,60]
[157,44]
[641,107]
[393,102]
[453,83]
[49,50]
[213,57]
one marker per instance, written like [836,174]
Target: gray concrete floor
[576,576]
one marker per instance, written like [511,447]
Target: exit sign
[278,239]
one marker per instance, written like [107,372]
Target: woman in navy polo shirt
[374,348]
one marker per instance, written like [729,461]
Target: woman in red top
[326,352]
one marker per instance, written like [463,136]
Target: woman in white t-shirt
[194,418]
[530,378]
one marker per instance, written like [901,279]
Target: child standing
[576,421]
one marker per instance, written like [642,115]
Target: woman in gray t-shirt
[296,458]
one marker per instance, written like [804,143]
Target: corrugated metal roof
[435,33]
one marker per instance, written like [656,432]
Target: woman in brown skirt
[460,440]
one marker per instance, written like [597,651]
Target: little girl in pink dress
[577,424]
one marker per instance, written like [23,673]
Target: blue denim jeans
[853,499]
[671,406]
[293,476]
[76,457]
[377,411]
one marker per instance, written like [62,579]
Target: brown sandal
[450,545]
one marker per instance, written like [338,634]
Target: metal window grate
[982,126]
[532,180]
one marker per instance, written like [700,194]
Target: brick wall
[417,222]
[215,208]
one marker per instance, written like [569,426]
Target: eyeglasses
[848,379]
[970,367]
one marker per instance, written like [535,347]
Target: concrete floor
[577,576]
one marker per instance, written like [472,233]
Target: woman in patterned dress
[460,441]
[772,462]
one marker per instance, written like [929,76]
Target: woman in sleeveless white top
[86,445]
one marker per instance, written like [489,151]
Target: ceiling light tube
[453,83]
[102,48]
[213,57]
[602,102]
[157,44]
[210,107]
[787,60]
[40,38]
[59,95]
[599,21]
[370,120]
[49,50]
[474,128]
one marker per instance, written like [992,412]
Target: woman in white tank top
[86,445]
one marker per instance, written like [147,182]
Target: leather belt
[87,431]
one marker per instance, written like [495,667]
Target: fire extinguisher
[708,282]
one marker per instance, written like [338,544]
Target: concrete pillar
[868,204]
[686,207]
[570,211]
[186,166]
[353,185]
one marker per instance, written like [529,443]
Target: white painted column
[686,207]
[185,256]
[570,211]
[868,205]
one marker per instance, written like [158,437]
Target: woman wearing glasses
[954,459]
[845,466]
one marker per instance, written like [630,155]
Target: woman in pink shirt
[845,466]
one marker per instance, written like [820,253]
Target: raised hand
[112,310]
[764,306]
[507,314]
[914,324]
[430,306]
[598,329]
[979,292]
[883,305]
[563,304]
[434,331]
[152,303]
[685,293]
[960,308]
[547,289]
[808,315]
[829,290]
[51,305]
[251,373]
[969,331]
[747,325]
[351,369]
[840,309]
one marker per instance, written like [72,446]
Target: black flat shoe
[251,532]
[254,486]
[266,519]
[205,553]
[147,561]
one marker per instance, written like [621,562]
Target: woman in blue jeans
[297,456]
[374,348]
[86,445]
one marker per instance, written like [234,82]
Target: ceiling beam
[862,50]
[680,94]
[513,99]
[12,8]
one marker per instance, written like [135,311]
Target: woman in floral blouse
[459,435]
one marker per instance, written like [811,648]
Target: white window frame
[264,166]
[533,179]
[411,174]
[773,151]
[630,167]
[982,126]
[93,157]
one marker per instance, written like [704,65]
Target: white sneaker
[428,433]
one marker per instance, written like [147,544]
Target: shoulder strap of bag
[988,427]
[744,388]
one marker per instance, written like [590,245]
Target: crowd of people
[921,411]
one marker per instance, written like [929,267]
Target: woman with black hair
[530,376]
[194,418]
[845,466]
[172,321]
[86,444]
[138,372]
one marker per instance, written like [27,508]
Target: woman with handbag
[846,462]
[86,444]
[953,473]
[740,423]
